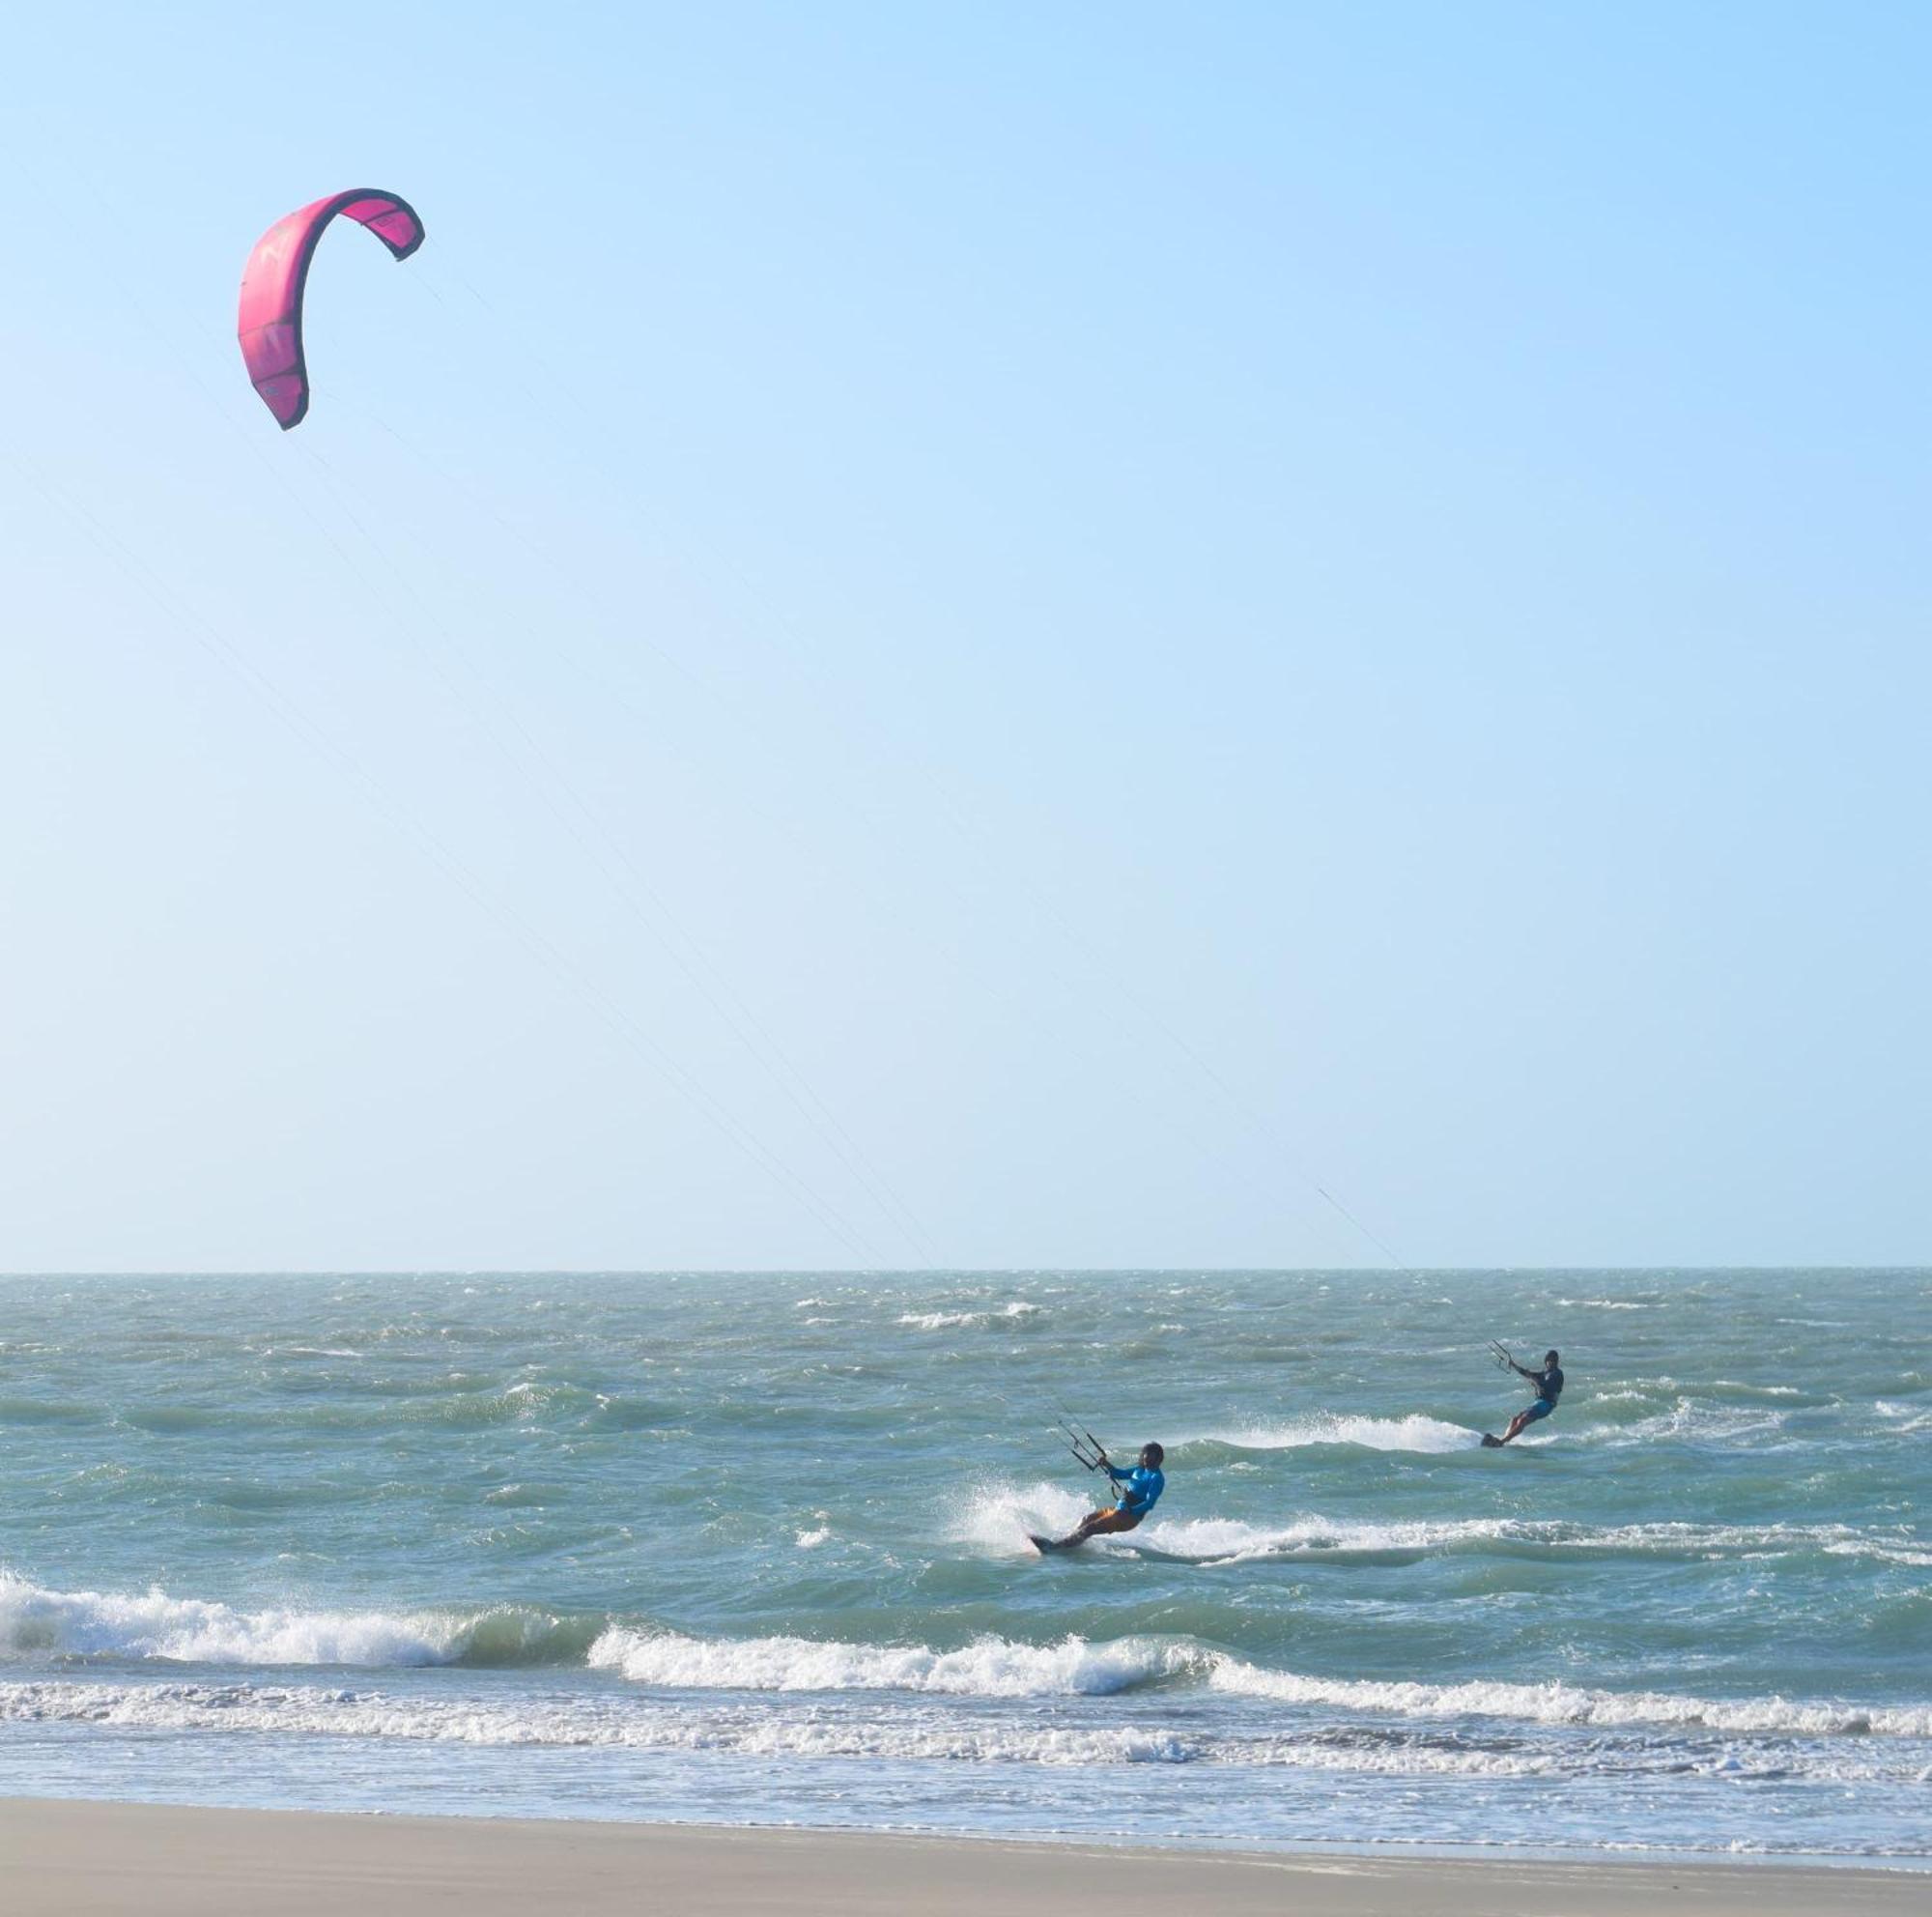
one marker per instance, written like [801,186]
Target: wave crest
[1565,1703]
[988,1668]
[187,1630]
[1015,1312]
[191,1631]
[1417,1432]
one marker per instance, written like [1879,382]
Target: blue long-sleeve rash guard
[1140,1489]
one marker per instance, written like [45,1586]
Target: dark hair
[1550,1358]
[1154,1455]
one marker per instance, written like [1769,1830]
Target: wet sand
[70,1859]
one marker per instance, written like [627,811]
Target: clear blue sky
[984,635]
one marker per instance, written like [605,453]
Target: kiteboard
[1045,1544]
[1490,1442]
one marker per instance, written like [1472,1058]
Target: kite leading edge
[276,277]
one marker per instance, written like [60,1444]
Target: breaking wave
[155,1627]
[989,1668]
[187,1630]
[1015,1312]
[1565,1703]
[1416,1432]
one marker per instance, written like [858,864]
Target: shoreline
[85,1857]
[1448,1851]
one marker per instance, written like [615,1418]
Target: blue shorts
[1542,1408]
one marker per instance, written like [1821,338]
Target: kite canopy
[274,281]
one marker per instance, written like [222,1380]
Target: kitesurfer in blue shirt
[1549,1382]
[1136,1492]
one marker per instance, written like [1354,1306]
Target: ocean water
[751,1550]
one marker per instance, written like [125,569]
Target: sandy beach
[72,1859]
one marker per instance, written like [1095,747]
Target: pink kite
[271,324]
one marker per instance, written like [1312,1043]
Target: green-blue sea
[752,1549]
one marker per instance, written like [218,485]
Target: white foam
[89,1623]
[944,1320]
[1892,1554]
[1232,1540]
[1911,1417]
[998,1517]
[759,1731]
[998,1668]
[1565,1703]
[1686,1422]
[157,1626]
[988,1668]
[1859,1746]
[1416,1432]
[1685,1540]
